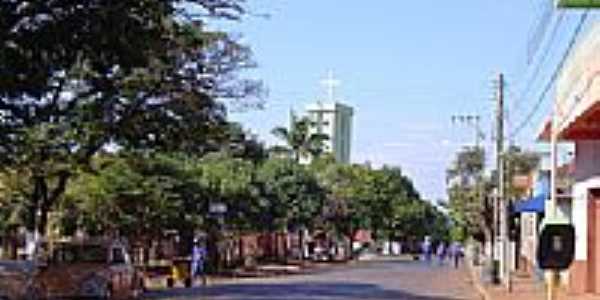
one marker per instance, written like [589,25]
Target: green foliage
[300,142]
[13,188]
[384,201]
[244,145]
[519,163]
[78,76]
[467,167]
[470,208]
[228,180]
[133,195]
[291,195]
[140,195]
[457,233]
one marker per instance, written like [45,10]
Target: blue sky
[405,66]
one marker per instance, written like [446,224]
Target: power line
[538,67]
[470,120]
[539,30]
[553,78]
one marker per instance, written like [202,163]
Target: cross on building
[333,119]
[331,84]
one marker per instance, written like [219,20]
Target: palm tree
[300,142]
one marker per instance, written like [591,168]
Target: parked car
[90,269]
[17,281]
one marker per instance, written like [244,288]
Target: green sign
[578,4]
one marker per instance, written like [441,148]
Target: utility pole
[553,280]
[501,206]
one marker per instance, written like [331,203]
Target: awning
[534,204]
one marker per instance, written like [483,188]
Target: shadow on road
[296,291]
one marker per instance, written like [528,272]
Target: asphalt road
[373,280]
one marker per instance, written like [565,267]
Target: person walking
[441,252]
[456,253]
[426,249]
[198,261]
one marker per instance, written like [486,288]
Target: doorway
[593,241]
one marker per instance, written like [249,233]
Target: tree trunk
[390,246]
[33,210]
[42,201]
[9,248]
[276,246]
[351,253]
[301,244]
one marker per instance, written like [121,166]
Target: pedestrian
[426,249]
[198,261]
[441,252]
[456,253]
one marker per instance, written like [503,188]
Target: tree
[134,196]
[384,201]
[293,193]
[228,180]
[519,162]
[346,209]
[291,196]
[244,145]
[300,142]
[393,193]
[467,167]
[470,209]
[12,210]
[76,77]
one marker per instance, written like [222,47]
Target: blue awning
[535,204]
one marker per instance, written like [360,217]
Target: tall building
[333,119]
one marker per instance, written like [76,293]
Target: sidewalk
[524,288]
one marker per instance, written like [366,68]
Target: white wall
[529,236]
[580,216]
[336,122]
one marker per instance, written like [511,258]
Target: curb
[485,295]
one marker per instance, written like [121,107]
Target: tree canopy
[299,141]
[469,205]
[78,77]
[118,108]
[469,191]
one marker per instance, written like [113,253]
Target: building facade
[336,121]
[577,120]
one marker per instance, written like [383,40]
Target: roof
[544,131]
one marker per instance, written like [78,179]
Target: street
[372,280]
